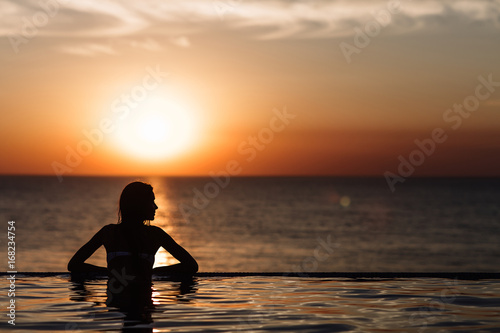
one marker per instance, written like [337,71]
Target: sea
[296,226]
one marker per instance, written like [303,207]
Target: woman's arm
[187,264]
[77,263]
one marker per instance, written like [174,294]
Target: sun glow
[159,127]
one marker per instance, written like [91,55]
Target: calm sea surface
[264,304]
[266,225]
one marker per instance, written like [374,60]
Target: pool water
[263,304]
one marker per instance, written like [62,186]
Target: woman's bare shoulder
[107,229]
[158,233]
[156,230]
[111,226]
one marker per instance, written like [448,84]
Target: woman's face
[151,208]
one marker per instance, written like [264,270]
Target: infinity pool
[264,304]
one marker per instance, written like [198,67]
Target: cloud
[88,50]
[276,19]
[181,41]
[325,19]
[147,44]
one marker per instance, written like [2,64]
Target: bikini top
[146,256]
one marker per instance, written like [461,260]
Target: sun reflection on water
[155,297]
[162,218]
[163,258]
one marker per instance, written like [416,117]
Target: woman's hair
[134,202]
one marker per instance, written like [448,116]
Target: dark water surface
[265,304]
[267,224]
[270,223]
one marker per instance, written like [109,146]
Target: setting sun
[160,127]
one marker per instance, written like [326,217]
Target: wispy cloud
[273,19]
[147,44]
[88,50]
[88,18]
[324,19]
[181,41]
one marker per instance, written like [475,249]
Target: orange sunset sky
[280,87]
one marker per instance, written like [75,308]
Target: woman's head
[137,203]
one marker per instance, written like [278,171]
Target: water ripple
[267,304]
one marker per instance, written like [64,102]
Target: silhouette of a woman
[131,246]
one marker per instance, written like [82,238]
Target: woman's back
[133,247]
[130,252]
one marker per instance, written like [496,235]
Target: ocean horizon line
[256,176]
